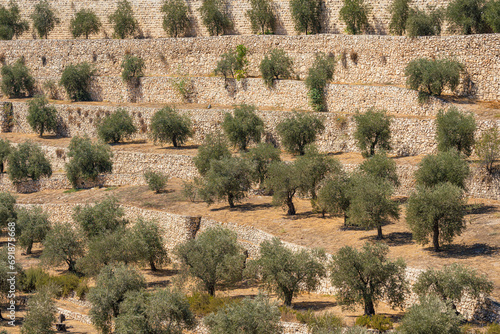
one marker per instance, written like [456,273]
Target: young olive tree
[244,127]
[283,181]
[116,126]
[156,181]
[87,160]
[306,15]
[28,161]
[318,76]
[373,131]
[366,276]
[262,156]
[442,167]
[381,167]
[132,70]
[214,257]
[466,16]
[44,19]
[400,11]
[63,244]
[76,81]
[261,17]
[455,130]
[151,247]
[215,17]
[16,80]
[424,23]
[8,213]
[42,117]
[299,131]
[437,212]
[233,64]
[167,125]
[276,65]
[488,148]
[41,313]
[354,13]
[103,216]
[334,195]
[124,23]
[85,23]
[214,147]
[5,150]
[33,225]
[287,272]
[11,23]
[175,20]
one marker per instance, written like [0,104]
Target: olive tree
[366,276]
[276,65]
[116,126]
[167,125]
[11,23]
[261,16]
[87,160]
[455,129]
[298,131]
[8,211]
[424,23]
[41,116]
[5,150]
[151,247]
[214,258]
[132,70]
[284,183]
[233,64]
[261,156]
[28,161]
[287,272]
[214,147]
[244,127]
[63,244]
[156,181]
[334,195]
[442,167]
[317,78]
[488,148]
[306,15]
[124,23]
[466,16]
[373,131]
[354,13]
[175,20]
[381,167]
[44,19]
[431,76]
[41,314]
[492,15]
[437,212]
[33,225]
[76,81]
[215,17]
[6,269]
[400,11]
[16,80]
[85,23]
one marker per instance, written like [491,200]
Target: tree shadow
[245,207]
[479,209]
[315,305]
[464,251]
[184,147]
[399,238]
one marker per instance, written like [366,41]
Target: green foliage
[424,23]
[244,127]
[76,81]
[149,242]
[124,23]
[488,148]
[233,64]
[11,23]
[354,13]
[381,167]
[99,218]
[246,317]
[203,304]
[215,17]
[318,324]
[276,65]
[113,128]
[156,181]
[214,147]
[167,125]
[16,80]
[85,23]
[65,284]
[373,131]
[493,328]
[261,17]
[431,316]
[28,161]
[63,244]
[32,226]
[87,160]
[366,276]
[227,179]
[44,19]
[175,21]
[298,131]
[432,76]
[283,183]
[455,130]
[492,15]
[442,167]
[214,257]
[334,195]
[318,76]
[40,315]
[466,16]
[133,69]
[451,283]
[8,214]
[376,321]
[400,11]
[112,285]
[33,279]
[287,272]
[5,150]
[41,116]
[437,211]
[261,156]
[306,15]
[370,204]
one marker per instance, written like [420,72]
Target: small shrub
[183,86]
[167,125]
[85,23]
[50,89]
[354,56]
[233,64]
[156,181]
[175,21]
[306,15]
[11,23]
[133,69]
[244,127]
[33,279]
[354,13]
[377,321]
[203,304]
[16,80]
[432,76]
[124,23]
[488,148]
[261,16]
[493,328]
[318,76]
[44,19]
[28,161]
[41,117]
[65,284]
[76,80]
[190,190]
[323,323]
[215,17]
[422,23]
[276,65]
[113,128]
[400,10]
[466,16]
[82,289]
[492,15]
